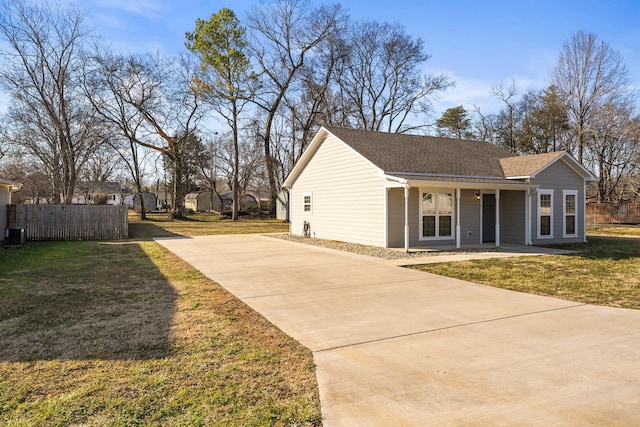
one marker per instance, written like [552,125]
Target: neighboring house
[202,201]
[7,186]
[97,193]
[133,201]
[409,191]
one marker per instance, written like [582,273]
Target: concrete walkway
[395,346]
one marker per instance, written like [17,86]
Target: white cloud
[468,92]
[473,92]
[146,8]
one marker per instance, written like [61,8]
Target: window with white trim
[436,215]
[307,202]
[545,214]
[570,211]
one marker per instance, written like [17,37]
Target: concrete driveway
[395,346]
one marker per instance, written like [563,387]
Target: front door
[488,218]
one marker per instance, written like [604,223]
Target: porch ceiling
[460,182]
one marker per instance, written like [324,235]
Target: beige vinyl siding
[348,196]
[395,217]
[557,177]
[512,217]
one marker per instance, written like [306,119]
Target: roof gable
[311,150]
[531,165]
[526,166]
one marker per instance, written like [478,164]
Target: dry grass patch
[126,333]
[606,271]
[201,224]
[624,230]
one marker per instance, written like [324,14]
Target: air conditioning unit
[14,236]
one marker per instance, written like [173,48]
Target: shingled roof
[428,158]
[416,154]
[526,166]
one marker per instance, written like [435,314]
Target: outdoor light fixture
[477,195]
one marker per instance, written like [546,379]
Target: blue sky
[478,43]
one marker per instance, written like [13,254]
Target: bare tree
[250,161]
[150,101]
[382,80]
[614,140]
[484,125]
[109,84]
[283,35]
[589,74]
[101,166]
[48,114]
[507,120]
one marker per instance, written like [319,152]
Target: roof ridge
[411,153]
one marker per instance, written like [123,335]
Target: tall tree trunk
[236,164]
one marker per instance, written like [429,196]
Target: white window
[570,210]
[436,215]
[307,202]
[545,214]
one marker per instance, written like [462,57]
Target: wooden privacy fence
[70,222]
[613,213]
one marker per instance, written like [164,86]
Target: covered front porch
[424,215]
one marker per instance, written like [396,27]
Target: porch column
[406,218]
[583,204]
[497,217]
[527,218]
[458,242]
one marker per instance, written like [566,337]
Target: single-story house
[7,186]
[97,193]
[410,191]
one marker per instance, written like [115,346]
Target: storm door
[488,218]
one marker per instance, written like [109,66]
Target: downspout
[497,217]
[527,218]
[406,217]
[458,238]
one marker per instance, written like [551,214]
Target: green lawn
[605,271]
[124,333]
